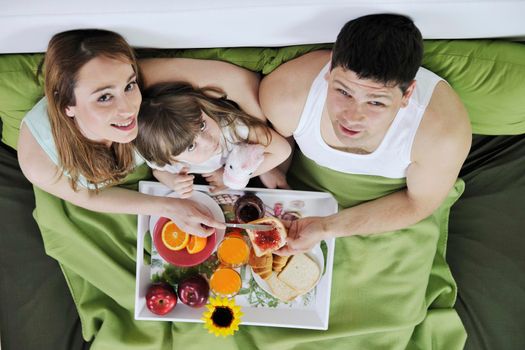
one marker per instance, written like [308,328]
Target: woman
[76,142]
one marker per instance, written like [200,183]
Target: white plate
[205,200]
[316,254]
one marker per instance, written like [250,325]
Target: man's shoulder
[444,123]
[283,92]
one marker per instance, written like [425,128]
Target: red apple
[194,291]
[161,298]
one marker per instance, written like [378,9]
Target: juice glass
[225,282]
[233,251]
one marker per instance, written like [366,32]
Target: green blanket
[394,293]
[390,291]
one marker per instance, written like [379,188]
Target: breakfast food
[196,244]
[233,251]
[301,273]
[261,265]
[264,242]
[281,290]
[279,262]
[173,237]
[248,208]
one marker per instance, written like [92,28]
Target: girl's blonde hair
[67,53]
[171,115]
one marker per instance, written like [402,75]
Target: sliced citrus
[196,244]
[173,237]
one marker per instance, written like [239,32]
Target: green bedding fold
[389,291]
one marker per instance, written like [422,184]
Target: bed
[38,306]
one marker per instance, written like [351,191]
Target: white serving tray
[310,311]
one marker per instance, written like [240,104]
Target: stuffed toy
[241,163]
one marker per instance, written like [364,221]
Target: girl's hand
[215,180]
[192,217]
[182,183]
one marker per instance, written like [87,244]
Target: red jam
[267,239]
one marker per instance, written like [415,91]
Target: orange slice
[173,237]
[196,244]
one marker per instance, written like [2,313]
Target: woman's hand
[215,180]
[192,217]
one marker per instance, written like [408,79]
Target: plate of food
[284,277]
[181,248]
[287,277]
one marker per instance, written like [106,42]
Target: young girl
[185,130]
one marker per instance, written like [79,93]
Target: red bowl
[181,257]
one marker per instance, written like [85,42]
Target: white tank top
[391,158]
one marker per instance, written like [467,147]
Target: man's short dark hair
[385,48]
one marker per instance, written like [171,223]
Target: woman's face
[107,101]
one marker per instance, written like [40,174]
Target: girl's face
[205,145]
[107,101]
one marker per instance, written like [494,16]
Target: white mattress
[27,25]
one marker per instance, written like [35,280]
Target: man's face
[361,110]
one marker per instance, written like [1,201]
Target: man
[368,108]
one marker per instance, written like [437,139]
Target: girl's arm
[43,173]
[182,183]
[274,154]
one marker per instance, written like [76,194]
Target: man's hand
[303,235]
[274,178]
[215,180]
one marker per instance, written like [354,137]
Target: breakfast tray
[309,311]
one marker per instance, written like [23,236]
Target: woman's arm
[43,173]
[240,84]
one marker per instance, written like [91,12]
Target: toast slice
[280,289]
[261,265]
[279,262]
[301,273]
[264,242]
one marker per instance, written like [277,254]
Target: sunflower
[223,316]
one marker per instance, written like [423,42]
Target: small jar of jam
[248,208]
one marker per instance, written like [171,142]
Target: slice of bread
[300,273]
[264,242]
[261,265]
[280,289]
[279,262]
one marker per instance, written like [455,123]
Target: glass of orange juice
[225,282]
[233,251]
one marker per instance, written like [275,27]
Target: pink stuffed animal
[242,161]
